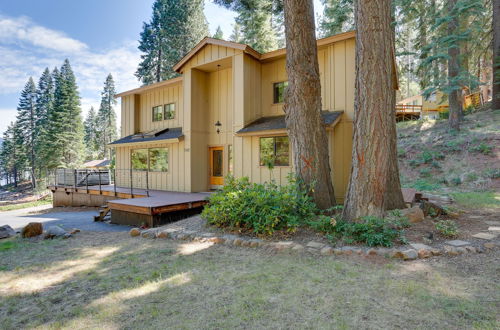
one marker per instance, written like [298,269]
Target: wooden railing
[408,108]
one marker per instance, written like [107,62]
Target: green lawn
[478,199]
[12,207]
[98,280]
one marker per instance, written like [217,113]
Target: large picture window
[152,159]
[158,159]
[279,91]
[158,113]
[274,151]
[169,112]
[139,159]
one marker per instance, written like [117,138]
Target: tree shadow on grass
[114,281]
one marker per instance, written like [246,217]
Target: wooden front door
[216,166]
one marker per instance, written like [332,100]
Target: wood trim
[139,90]
[320,42]
[134,144]
[130,208]
[218,42]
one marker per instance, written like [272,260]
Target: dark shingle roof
[278,122]
[164,134]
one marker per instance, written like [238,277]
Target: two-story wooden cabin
[223,115]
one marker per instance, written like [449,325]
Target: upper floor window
[169,112]
[158,113]
[279,91]
[274,151]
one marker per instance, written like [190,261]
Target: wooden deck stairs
[103,212]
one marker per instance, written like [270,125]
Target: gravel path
[83,220]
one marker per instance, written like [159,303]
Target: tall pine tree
[176,26]
[106,124]
[64,126]
[255,17]
[91,131]
[26,124]
[236,35]
[338,16]
[218,33]
[44,106]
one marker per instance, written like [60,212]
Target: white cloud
[7,116]
[23,30]
[26,49]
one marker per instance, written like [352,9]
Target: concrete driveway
[83,220]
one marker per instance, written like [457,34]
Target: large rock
[32,229]
[56,232]
[414,214]
[134,232]
[7,231]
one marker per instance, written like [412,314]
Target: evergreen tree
[176,26]
[44,105]
[218,33]
[26,124]
[338,16]
[12,156]
[236,35]
[255,19]
[106,124]
[64,125]
[91,142]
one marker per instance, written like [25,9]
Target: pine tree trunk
[496,54]
[374,185]
[303,102]
[455,96]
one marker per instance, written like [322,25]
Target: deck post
[87,180]
[131,188]
[74,178]
[147,183]
[99,172]
[114,181]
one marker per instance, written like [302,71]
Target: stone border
[412,252]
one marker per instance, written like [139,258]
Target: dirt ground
[113,281]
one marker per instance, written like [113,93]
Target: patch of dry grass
[114,281]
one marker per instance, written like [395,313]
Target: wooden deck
[408,112]
[138,207]
[160,202]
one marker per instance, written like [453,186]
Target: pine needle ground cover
[436,160]
[112,281]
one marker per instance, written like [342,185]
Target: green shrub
[371,231]
[456,181]
[471,177]
[261,208]
[492,173]
[444,115]
[482,148]
[425,173]
[401,153]
[423,184]
[447,228]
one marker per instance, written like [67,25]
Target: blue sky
[98,37]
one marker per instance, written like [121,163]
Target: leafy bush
[422,184]
[492,173]
[447,228]
[371,231]
[425,173]
[261,208]
[482,148]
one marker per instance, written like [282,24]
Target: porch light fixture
[218,124]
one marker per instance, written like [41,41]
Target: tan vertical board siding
[171,180]
[161,96]
[236,97]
